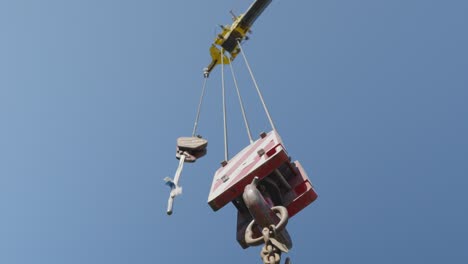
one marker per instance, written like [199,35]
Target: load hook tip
[255,180]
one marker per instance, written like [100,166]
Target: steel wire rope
[256,86]
[241,102]
[197,118]
[226,156]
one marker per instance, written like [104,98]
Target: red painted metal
[230,180]
[262,158]
[302,193]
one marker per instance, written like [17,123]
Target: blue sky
[370,96]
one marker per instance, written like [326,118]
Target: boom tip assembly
[233,34]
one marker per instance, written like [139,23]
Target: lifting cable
[241,102]
[226,156]
[206,75]
[256,86]
[195,126]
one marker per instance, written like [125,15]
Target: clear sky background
[370,96]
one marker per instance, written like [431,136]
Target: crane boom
[233,34]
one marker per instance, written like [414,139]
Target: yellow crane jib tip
[215,53]
[231,35]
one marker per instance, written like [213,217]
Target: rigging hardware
[236,32]
[263,183]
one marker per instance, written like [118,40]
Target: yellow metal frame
[216,48]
